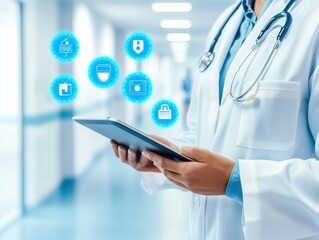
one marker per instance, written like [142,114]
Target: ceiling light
[172,7]
[184,24]
[178,37]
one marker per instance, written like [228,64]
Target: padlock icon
[164,113]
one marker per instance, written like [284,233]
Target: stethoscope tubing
[209,56]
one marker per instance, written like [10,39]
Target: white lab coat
[275,138]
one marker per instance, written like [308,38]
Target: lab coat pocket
[270,121]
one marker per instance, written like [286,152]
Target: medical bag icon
[65,89]
[138,46]
[65,47]
[103,72]
[164,113]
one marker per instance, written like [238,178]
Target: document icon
[65,89]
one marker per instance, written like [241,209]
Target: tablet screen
[128,136]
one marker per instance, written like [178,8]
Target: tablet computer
[129,137]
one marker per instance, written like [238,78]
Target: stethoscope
[208,57]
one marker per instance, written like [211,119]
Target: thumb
[195,153]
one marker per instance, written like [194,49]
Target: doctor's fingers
[184,182]
[123,154]
[180,180]
[164,163]
[140,163]
[132,159]
[174,177]
[165,141]
[115,148]
[146,165]
[176,182]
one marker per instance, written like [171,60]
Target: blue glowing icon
[65,47]
[139,46]
[165,113]
[104,72]
[64,89]
[137,87]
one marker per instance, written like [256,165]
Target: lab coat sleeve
[281,199]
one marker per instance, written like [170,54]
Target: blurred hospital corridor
[107,202]
[59,180]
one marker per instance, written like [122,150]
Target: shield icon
[103,72]
[138,46]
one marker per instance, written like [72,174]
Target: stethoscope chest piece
[205,61]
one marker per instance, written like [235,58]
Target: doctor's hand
[208,174]
[137,161]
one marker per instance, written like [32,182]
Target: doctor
[255,173]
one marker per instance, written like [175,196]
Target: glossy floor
[106,203]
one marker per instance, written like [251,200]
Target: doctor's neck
[258,5]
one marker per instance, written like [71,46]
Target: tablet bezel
[133,131]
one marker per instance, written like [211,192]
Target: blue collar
[248,6]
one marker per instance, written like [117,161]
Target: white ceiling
[137,15]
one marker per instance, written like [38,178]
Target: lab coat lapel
[228,36]
[276,7]
[226,41]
